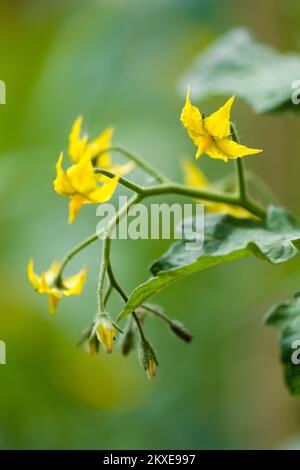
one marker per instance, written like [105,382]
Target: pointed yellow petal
[32,276]
[43,287]
[62,184]
[104,161]
[218,123]
[54,268]
[75,205]
[82,176]
[203,143]
[118,170]
[77,145]
[52,272]
[105,192]
[53,301]
[191,118]
[151,369]
[238,212]
[193,176]
[74,284]
[233,149]
[101,143]
[106,333]
[121,170]
[214,151]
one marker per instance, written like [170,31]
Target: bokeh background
[118,62]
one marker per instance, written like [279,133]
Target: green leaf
[225,239]
[237,64]
[289,344]
[286,316]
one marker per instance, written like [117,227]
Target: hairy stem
[122,294]
[158,314]
[147,167]
[123,181]
[102,273]
[243,193]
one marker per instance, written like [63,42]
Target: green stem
[102,273]
[147,167]
[157,313]
[167,188]
[123,181]
[88,241]
[243,194]
[122,294]
[115,283]
[242,180]
[108,294]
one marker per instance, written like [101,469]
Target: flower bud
[89,341]
[91,346]
[180,331]
[128,342]
[148,359]
[105,332]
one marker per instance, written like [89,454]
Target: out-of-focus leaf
[286,316]
[237,64]
[225,239]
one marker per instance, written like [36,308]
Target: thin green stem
[108,294]
[67,258]
[139,326]
[171,188]
[158,313]
[102,273]
[88,241]
[184,190]
[123,181]
[243,193]
[124,296]
[147,167]
[115,283]
[242,180]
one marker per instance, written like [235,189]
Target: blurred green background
[118,62]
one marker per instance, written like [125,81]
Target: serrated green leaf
[286,316]
[290,347]
[237,64]
[225,239]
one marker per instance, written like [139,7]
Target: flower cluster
[92,178]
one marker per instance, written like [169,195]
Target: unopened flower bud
[180,331]
[91,345]
[89,341]
[105,332]
[148,359]
[127,342]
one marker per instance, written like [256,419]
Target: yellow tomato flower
[212,134]
[80,183]
[195,178]
[105,332]
[45,283]
[79,147]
